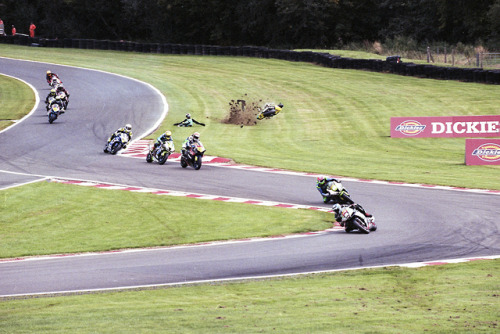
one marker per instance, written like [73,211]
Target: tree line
[271,23]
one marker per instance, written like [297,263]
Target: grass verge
[78,219]
[16,100]
[440,299]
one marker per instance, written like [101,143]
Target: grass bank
[440,299]
[16,100]
[49,218]
[336,121]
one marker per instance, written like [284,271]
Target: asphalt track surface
[415,224]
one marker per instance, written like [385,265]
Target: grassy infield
[340,116]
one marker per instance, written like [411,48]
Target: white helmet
[196,136]
[128,127]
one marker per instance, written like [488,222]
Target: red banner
[482,151]
[452,126]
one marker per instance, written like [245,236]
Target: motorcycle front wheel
[163,158]
[115,148]
[197,162]
[358,224]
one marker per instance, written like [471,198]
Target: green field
[337,122]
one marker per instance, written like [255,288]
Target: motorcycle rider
[322,186]
[271,110]
[190,141]
[188,122]
[50,97]
[127,129]
[167,136]
[57,100]
[60,88]
[337,210]
[50,76]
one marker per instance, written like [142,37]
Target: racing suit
[162,140]
[188,122]
[322,188]
[189,142]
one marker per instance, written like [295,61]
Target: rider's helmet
[128,127]
[52,92]
[49,72]
[188,116]
[336,208]
[280,105]
[196,136]
[167,135]
[321,180]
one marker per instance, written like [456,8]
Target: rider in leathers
[190,141]
[337,210]
[167,136]
[49,76]
[188,122]
[322,186]
[127,129]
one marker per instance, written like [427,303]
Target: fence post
[453,57]
[428,55]
[445,54]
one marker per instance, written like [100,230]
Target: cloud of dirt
[243,112]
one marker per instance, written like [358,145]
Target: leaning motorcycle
[352,218]
[192,156]
[55,82]
[116,144]
[64,99]
[161,153]
[337,193]
[53,113]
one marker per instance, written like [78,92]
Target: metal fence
[486,59]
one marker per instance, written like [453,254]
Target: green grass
[16,100]
[33,222]
[446,299]
[334,121]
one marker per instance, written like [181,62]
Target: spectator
[32,30]
[2,31]
[13,30]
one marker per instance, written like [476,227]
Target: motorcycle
[64,99]
[117,143]
[53,113]
[55,82]
[268,112]
[193,156]
[161,153]
[353,217]
[51,100]
[337,193]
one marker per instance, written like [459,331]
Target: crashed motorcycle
[353,217]
[53,112]
[267,112]
[161,153]
[192,156]
[118,142]
[337,193]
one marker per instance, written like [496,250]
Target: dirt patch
[243,112]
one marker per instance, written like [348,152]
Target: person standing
[32,30]
[14,30]
[2,32]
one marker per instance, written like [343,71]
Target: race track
[415,223]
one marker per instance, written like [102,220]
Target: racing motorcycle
[55,82]
[192,156]
[353,217]
[337,193]
[117,143]
[268,112]
[64,99]
[161,153]
[53,113]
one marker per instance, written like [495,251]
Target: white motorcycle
[353,217]
[118,142]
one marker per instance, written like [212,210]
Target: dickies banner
[449,126]
[482,151]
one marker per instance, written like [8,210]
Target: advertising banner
[445,127]
[482,151]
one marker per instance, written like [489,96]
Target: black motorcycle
[193,156]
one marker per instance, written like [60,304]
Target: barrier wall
[323,59]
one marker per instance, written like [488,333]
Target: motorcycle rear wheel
[183,162]
[149,158]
